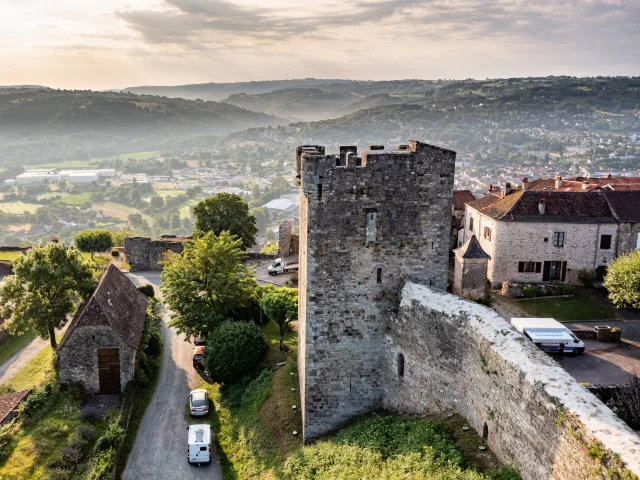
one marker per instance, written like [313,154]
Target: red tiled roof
[460,197]
[9,401]
[595,184]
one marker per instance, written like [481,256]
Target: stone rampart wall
[144,253]
[458,356]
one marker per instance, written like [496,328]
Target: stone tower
[470,277]
[368,223]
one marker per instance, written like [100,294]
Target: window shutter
[546,274]
[538,267]
[520,266]
[564,271]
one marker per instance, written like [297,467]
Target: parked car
[198,402]
[199,341]
[199,444]
[198,356]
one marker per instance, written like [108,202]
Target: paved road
[160,451]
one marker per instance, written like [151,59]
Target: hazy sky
[117,43]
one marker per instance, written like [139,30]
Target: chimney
[585,185]
[558,182]
[525,184]
[506,190]
[541,207]
[609,175]
[491,187]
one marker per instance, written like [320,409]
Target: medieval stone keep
[368,223]
[377,331]
[144,254]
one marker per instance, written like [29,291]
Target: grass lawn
[18,207]
[9,255]
[92,162]
[76,198]
[587,304]
[13,345]
[35,373]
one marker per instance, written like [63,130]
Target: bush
[587,277]
[148,290]
[623,282]
[35,401]
[103,466]
[111,438]
[6,435]
[294,279]
[530,291]
[233,350]
[115,252]
[562,289]
[90,414]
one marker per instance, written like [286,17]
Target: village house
[9,403]
[460,198]
[552,230]
[99,347]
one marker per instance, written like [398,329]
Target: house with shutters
[546,235]
[99,348]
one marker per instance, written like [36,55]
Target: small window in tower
[485,432]
[400,365]
[371,229]
[319,191]
[379,276]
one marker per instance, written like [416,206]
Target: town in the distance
[321,279]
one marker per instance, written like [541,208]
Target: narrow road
[160,451]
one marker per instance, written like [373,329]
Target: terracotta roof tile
[625,205]
[460,197]
[10,401]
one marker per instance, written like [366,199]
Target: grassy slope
[9,255]
[587,304]
[13,345]
[34,374]
[76,199]
[18,207]
[92,162]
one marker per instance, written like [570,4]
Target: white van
[199,447]
[549,335]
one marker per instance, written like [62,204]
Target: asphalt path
[160,451]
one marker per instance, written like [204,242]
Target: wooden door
[109,370]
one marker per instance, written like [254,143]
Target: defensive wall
[444,354]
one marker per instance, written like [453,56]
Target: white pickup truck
[281,266]
[548,334]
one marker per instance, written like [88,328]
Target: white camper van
[199,448]
[548,334]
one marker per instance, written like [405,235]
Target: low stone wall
[144,254]
[448,355]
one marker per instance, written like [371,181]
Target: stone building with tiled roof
[535,233]
[9,403]
[99,347]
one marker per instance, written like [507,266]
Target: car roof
[198,393]
[198,350]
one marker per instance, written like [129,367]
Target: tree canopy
[43,289]
[207,283]
[623,281]
[92,241]
[281,306]
[225,211]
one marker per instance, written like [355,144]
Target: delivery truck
[549,335]
[281,266]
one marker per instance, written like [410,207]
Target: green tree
[233,350]
[281,306]
[270,248]
[623,281]
[137,221]
[157,201]
[91,241]
[119,236]
[43,289]
[207,283]
[175,220]
[225,211]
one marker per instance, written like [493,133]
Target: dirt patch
[110,210]
[506,307]
[277,412]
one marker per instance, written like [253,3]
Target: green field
[9,255]
[185,211]
[76,198]
[92,162]
[586,304]
[18,207]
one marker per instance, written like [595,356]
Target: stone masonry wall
[461,357]
[284,238]
[352,271]
[144,253]
[78,357]
[628,238]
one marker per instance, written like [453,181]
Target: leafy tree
[119,236]
[175,220]
[225,211]
[623,281]
[137,221]
[91,241]
[207,283]
[270,248]
[233,350]
[42,290]
[193,192]
[157,201]
[281,306]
